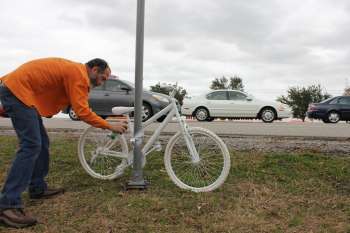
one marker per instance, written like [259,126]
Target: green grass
[281,192]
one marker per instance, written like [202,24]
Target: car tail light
[2,112]
[311,108]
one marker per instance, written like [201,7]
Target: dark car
[331,110]
[117,92]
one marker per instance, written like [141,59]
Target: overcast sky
[270,44]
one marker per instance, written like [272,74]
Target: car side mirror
[127,89]
[249,98]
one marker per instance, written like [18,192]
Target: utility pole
[137,181]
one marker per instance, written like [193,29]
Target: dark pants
[31,164]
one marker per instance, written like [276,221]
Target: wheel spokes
[200,174]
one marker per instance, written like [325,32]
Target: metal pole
[137,181]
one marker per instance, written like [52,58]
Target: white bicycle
[195,158]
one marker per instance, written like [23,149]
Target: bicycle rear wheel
[102,154]
[207,174]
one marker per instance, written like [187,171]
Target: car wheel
[146,111]
[268,115]
[72,114]
[201,114]
[325,120]
[333,117]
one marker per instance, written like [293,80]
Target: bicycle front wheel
[102,154]
[206,175]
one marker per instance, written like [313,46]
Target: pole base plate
[132,185]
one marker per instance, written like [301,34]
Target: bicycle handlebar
[172,93]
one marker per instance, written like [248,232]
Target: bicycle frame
[171,111]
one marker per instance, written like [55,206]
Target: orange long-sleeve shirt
[51,84]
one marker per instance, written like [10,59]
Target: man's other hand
[119,127]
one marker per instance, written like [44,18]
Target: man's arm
[78,90]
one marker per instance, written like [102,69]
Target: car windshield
[129,83]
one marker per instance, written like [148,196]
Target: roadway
[247,128]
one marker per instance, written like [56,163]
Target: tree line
[297,98]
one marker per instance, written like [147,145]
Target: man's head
[98,71]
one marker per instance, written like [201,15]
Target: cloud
[271,44]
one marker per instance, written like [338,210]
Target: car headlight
[161,98]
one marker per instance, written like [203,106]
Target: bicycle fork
[189,140]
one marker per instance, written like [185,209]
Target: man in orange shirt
[39,88]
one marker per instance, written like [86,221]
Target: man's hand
[119,127]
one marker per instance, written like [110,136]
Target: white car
[233,104]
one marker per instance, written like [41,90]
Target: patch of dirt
[340,147]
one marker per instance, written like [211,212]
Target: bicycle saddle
[122,110]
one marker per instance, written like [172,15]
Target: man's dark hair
[100,63]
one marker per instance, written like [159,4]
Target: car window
[98,88]
[344,100]
[234,95]
[327,100]
[334,101]
[114,85]
[217,95]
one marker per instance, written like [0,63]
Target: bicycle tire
[197,177]
[92,143]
